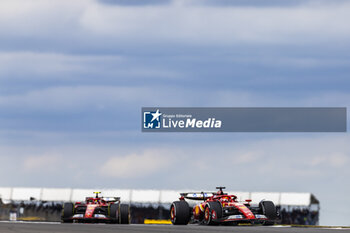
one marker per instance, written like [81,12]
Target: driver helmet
[220,192]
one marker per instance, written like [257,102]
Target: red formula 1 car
[221,208]
[95,210]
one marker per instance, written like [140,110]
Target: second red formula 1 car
[96,209]
[220,208]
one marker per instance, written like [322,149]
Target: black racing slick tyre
[212,212]
[124,214]
[113,211]
[180,213]
[269,210]
[67,212]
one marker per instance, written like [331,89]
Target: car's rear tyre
[269,210]
[67,212]
[113,211]
[212,212]
[124,214]
[180,213]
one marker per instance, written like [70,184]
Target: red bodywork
[226,201]
[96,209]
[93,210]
[229,209]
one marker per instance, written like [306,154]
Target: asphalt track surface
[11,227]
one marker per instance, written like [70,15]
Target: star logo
[156,115]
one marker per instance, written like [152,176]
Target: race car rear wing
[111,199]
[106,199]
[198,196]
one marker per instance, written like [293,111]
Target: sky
[75,74]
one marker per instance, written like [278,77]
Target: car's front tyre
[113,212]
[212,211]
[67,212]
[268,209]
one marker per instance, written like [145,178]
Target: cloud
[206,25]
[246,157]
[54,68]
[46,163]
[91,26]
[260,156]
[135,2]
[337,160]
[254,3]
[150,162]
[117,108]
